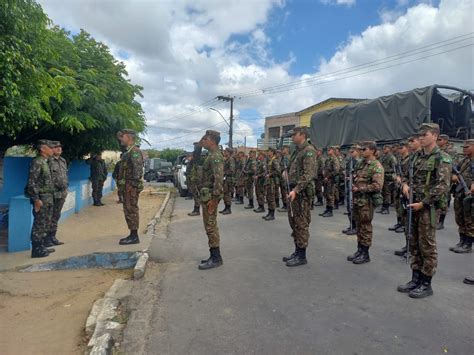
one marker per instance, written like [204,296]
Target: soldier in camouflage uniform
[339,198]
[401,170]
[351,166]
[131,174]
[250,170]
[330,171]
[272,182]
[284,163]
[463,200]
[368,182]
[389,163]
[240,178]
[211,193]
[98,177]
[260,178]
[431,180]
[40,190]
[443,144]
[115,176]
[58,167]
[194,177]
[300,176]
[319,177]
[229,180]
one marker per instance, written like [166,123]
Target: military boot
[240,201]
[131,239]
[287,258]
[440,224]
[400,229]
[356,254]
[47,242]
[412,284]
[37,250]
[462,238]
[299,259]
[363,257]
[336,205]
[327,209]
[96,202]
[277,202]
[44,247]
[385,209]
[214,261]
[227,210]
[327,213]
[270,216]
[319,202]
[401,252]
[101,203]
[284,208]
[250,205]
[424,288]
[398,224]
[469,280]
[260,209]
[465,248]
[195,212]
[54,240]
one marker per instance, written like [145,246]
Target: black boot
[260,209]
[441,222]
[270,216]
[277,202]
[336,205]
[54,240]
[101,203]
[227,210]
[96,202]
[214,261]
[240,201]
[401,252]
[385,209]
[363,256]
[37,251]
[250,205]
[469,280]
[412,284]
[47,242]
[424,288]
[356,254]
[131,239]
[284,208]
[195,212]
[465,248]
[319,203]
[400,229]
[327,213]
[287,258]
[299,259]
[398,224]
[462,238]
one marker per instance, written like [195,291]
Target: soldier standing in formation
[284,162]
[260,179]
[431,180]
[211,193]
[194,177]
[115,176]
[319,177]
[58,167]
[131,174]
[463,201]
[250,170]
[331,169]
[300,177]
[229,180]
[40,190]
[388,162]
[351,166]
[98,177]
[368,182]
[402,163]
[240,178]
[272,183]
[443,144]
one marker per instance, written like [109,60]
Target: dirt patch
[45,312]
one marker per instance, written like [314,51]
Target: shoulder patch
[309,154]
[135,155]
[446,159]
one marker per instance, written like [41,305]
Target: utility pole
[231,118]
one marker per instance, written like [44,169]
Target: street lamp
[213,109]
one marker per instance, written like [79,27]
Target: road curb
[140,266]
[157,218]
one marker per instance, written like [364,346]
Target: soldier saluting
[131,173]
[300,176]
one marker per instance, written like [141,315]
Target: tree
[171,154]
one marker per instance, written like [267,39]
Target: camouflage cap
[428,126]
[356,146]
[229,150]
[295,130]
[413,137]
[444,136]
[468,142]
[387,146]
[46,142]
[369,144]
[402,143]
[252,151]
[56,144]
[337,147]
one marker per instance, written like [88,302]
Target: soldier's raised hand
[38,204]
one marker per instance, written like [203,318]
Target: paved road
[255,304]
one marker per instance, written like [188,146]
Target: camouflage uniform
[451,152]
[41,187]
[331,170]
[98,177]
[388,162]
[58,167]
[463,207]
[131,174]
[301,175]
[319,178]
[115,176]
[229,179]
[340,187]
[212,189]
[250,171]
[260,178]
[240,180]
[272,182]
[284,162]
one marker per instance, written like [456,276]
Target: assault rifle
[408,230]
[350,194]
[287,181]
[243,169]
[462,186]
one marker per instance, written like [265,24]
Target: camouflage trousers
[398,203]
[210,225]
[284,191]
[195,191]
[130,206]
[120,193]
[299,223]
[97,187]
[329,193]
[341,189]
[57,208]
[464,215]
[423,250]
[249,188]
[363,215]
[42,219]
[260,191]
[387,191]
[240,188]
[228,191]
[318,187]
[271,194]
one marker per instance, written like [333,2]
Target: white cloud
[338,2]
[183,54]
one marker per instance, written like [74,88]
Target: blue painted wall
[15,177]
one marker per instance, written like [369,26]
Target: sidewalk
[94,229]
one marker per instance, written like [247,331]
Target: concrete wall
[20,217]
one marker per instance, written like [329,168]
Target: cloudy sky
[274,56]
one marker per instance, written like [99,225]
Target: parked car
[158,170]
[180,175]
